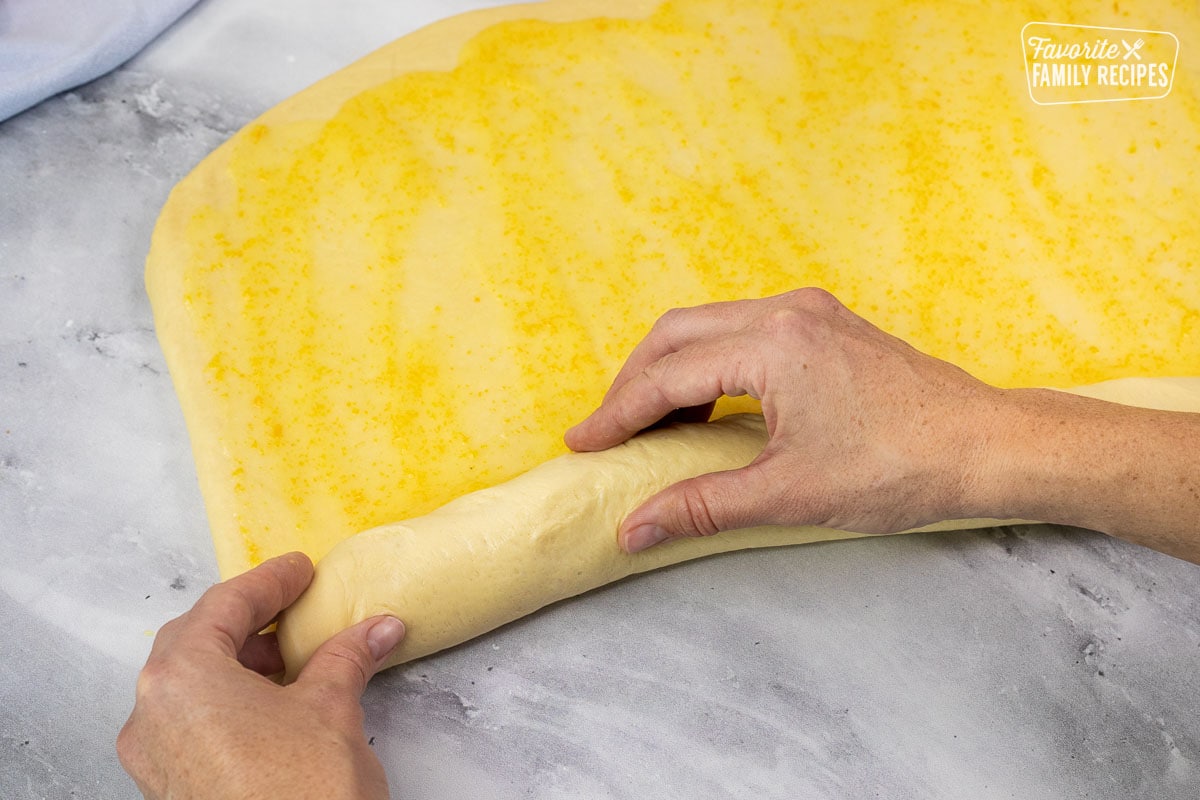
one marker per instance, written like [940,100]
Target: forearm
[1128,472]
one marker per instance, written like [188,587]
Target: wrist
[1018,455]
[1130,472]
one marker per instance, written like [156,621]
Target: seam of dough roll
[495,555]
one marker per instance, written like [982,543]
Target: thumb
[701,506]
[345,662]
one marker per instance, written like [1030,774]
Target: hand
[208,724]
[866,433]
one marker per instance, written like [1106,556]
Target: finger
[682,327]
[261,654]
[229,613]
[673,331]
[701,506]
[343,664]
[695,376]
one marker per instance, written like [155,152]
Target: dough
[402,284]
[498,554]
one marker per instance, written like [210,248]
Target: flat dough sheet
[403,284]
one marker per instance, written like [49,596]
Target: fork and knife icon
[1132,49]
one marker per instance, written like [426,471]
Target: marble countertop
[1012,663]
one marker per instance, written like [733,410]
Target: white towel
[48,46]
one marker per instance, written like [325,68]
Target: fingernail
[384,636]
[644,536]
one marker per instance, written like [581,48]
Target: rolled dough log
[497,554]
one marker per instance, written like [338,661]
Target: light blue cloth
[48,46]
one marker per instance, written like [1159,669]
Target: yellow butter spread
[404,283]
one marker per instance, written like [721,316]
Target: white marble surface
[1017,663]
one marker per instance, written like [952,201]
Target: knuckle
[817,299]
[257,586]
[132,752]
[155,678]
[698,518]
[166,676]
[347,659]
[654,374]
[213,594]
[671,321]
[808,320]
[127,749]
[786,323]
[655,379]
[170,629]
[671,318]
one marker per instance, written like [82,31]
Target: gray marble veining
[1013,663]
